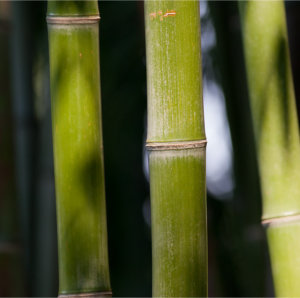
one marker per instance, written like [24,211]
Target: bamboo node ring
[72,20]
[275,221]
[81,295]
[176,145]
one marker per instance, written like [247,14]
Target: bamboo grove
[98,257]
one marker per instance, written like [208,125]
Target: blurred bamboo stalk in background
[24,127]
[246,230]
[11,269]
[176,144]
[277,136]
[45,265]
[78,151]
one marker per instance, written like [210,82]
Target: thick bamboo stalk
[277,135]
[78,152]
[176,144]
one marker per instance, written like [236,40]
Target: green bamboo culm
[73,28]
[277,136]
[176,145]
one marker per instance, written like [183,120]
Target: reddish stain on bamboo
[168,13]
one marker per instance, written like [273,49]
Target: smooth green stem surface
[178,206]
[177,177]
[174,75]
[72,8]
[277,135]
[284,247]
[78,158]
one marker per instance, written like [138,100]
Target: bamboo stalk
[277,136]
[11,269]
[229,65]
[78,152]
[24,128]
[176,144]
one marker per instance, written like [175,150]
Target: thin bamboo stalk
[277,136]
[246,209]
[11,269]
[45,269]
[176,144]
[78,152]
[24,128]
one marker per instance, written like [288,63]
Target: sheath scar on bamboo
[281,220]
[73,20]
[176,145]
[87,295]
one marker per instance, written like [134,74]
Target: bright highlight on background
[219,168]
[219,148]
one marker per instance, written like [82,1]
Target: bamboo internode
[78,148]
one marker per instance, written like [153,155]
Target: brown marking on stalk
[171,13]
[80,55]
[181,145]
[152,15]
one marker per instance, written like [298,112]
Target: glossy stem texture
[277,136]
[78,149]
[177,174]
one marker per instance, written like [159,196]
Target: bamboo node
[72,20]
[176,145]
[275,221]
[95,294]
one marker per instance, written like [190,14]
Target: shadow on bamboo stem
[277,135]
[78,149]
